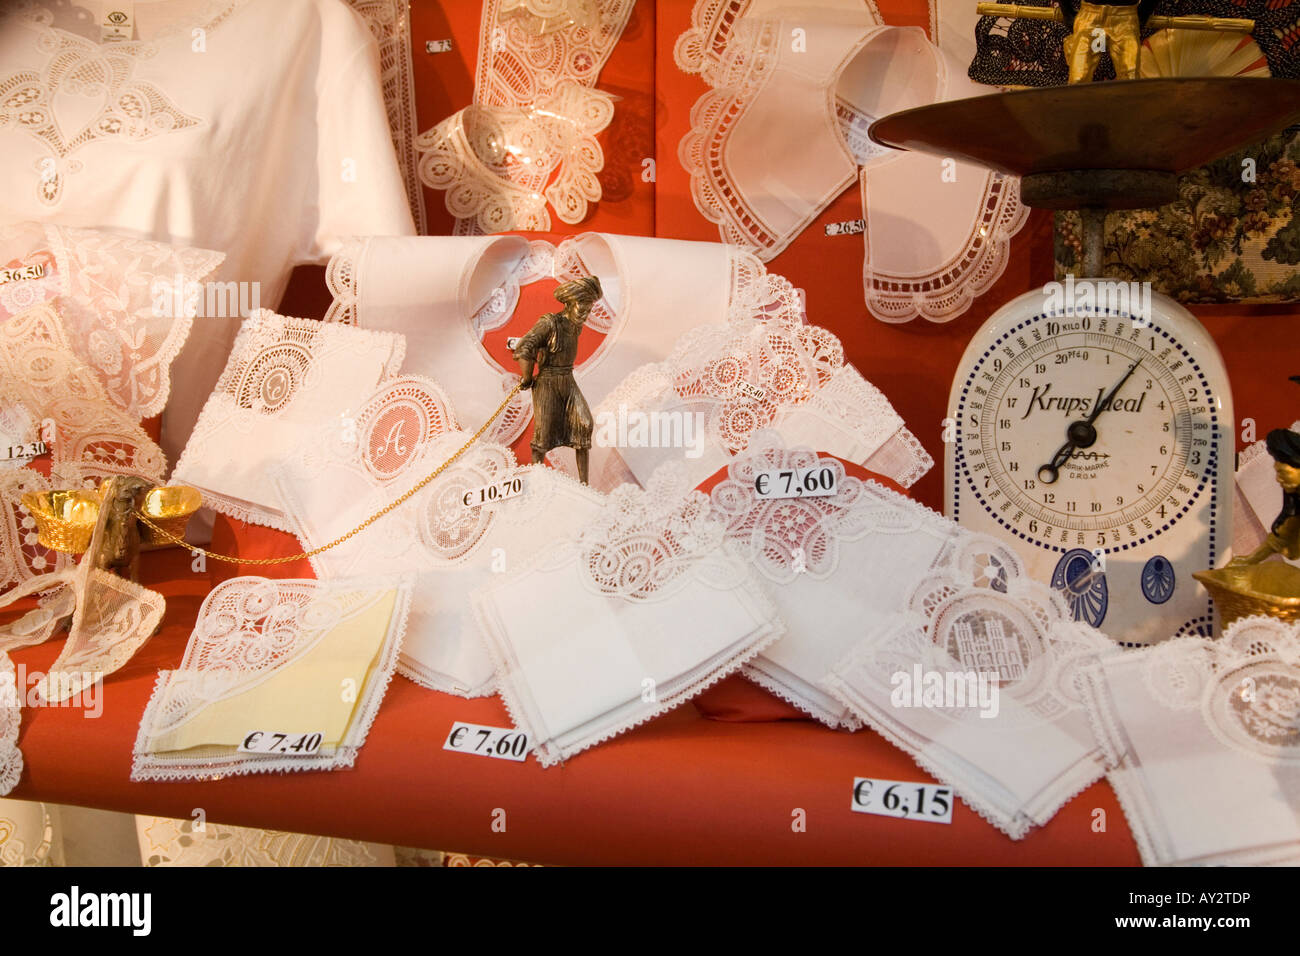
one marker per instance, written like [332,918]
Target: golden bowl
[1240,590]
[170,509]
[65,520]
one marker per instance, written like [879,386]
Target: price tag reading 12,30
[288,745]
[503,742]
[897,798]
[814,482]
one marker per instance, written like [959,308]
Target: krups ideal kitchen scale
[1093,426]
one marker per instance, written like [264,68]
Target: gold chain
[173,539]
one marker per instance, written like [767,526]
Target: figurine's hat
[1284,445]
[586,289]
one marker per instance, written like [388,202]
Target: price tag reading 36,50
[898,798]
[287,745]
[503,742]
[814,482]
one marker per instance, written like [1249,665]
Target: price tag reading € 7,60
[503,742]
[814,482]
[898,798]
[287,745]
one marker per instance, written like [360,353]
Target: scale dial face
[1100,444]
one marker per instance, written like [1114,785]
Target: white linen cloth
[978,681]
[644,609]
[170,136]
[1204,740]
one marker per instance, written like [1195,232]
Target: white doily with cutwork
[978,679]
[643,609]
[1204,739]
[248,630]
[284,377]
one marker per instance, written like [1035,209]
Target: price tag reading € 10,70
[288,745]
[814,482]
[503,742]
[490,494]
[898,798]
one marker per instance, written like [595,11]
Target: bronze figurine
[561,416]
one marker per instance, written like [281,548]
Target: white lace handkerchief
[1257,497]
[299,658]
[11,758]
[285,377]
[978,681]
[831,562]
[721,384]
[483,516]
[1204,738]
[642,611]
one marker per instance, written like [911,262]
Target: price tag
[289,745]
[490,494]
[898,798]
[816,482]
[756,392]
[25,451]
[512,342]
[36,271]
[505,743]
[851,227]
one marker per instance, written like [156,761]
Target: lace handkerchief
[832,562]
[284,376]
[479,519]
[1257,497]
[1204,737]
[979,681]
[310,660]
[644,609]
[11,758]
[721,384]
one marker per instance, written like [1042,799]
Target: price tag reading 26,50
[287,745]
[503,742]
[814,482]
[897,798]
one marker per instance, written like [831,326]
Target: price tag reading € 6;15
[288,745]
[814,482]
[899,798]
[503,742]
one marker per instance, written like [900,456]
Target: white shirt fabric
[173,137]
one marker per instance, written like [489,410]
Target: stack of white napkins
[297,658]
[1205,741]
[643,609]
[285,378]
[978,681]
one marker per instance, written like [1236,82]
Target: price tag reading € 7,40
[814,482]
[287,745]
[505,743]
[898,798]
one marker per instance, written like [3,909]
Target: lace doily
[109,291]
[535,112]
[1204,740]
[644,609]
[22,557]
[11,758]
[753,375]
[980,681]
[167,842]
[249,631]
[283,374]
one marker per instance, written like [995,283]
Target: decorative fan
[1192,53]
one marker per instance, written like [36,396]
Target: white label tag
[491,494]
[117,23]
[899,798]
[25,451]
[851,227]
[512,342]
[816,482]
[19,442]
[36,271]
[287,745]
[749,390]
[437,46]
[505,743]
